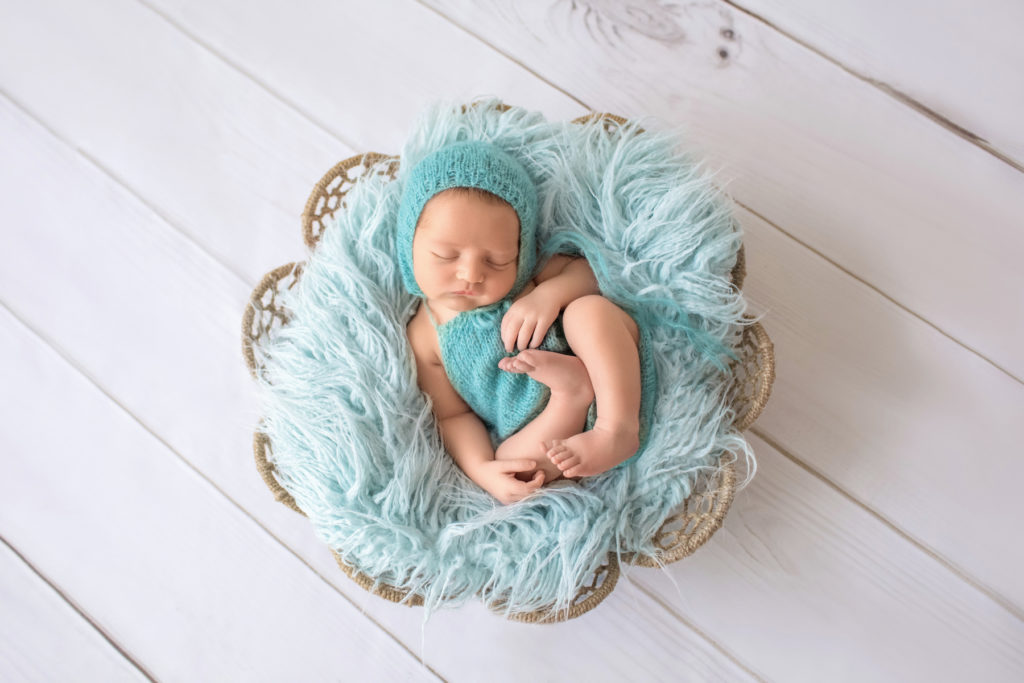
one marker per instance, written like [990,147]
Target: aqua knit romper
[471,347]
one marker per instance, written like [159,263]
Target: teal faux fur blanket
[355,442]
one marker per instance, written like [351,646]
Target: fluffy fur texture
[354,438]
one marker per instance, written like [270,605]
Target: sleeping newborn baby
[502,350]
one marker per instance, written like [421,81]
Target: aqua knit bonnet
[476,164]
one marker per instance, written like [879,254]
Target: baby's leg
[564,415]
[606,339]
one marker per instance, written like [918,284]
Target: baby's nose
[470,272]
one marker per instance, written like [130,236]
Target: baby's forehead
[460,241]
[439,236]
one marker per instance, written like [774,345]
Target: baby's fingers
[507,333]
[521,489]
[539,333]
[537,480]
[513,466]
[526,333]
[511,329]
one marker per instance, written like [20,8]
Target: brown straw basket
[685,530]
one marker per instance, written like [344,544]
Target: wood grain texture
[186,582]
[894,412]
[823,591]
[919,213]
[962,68]
[347,57]
[38,624]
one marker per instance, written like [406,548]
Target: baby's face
[465,251]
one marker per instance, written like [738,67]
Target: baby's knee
[594,308]
[588,306]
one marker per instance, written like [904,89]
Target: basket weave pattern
[682,532]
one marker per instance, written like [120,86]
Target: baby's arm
[562,280]
[463,433]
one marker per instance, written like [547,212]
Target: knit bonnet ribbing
[476,164]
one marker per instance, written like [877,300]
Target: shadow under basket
[682,532]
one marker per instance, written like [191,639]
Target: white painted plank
[963,65]
[894,412]
[188,584]
[347,59]
[903,203]
[38,624]
[121,290]
[163,113]
[165,123]
[818,589]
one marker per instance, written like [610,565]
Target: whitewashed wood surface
[155,157]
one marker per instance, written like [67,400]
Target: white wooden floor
[155,156]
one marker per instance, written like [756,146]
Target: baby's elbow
[451,416]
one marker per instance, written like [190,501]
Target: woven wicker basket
[681,534]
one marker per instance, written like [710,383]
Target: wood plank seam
[673,611]
[67,358]
[78,609]
[905,99]
[967,578]
[882,294]
[247,74]
[509,57]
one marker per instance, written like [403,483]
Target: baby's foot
[595,451]
[561,373]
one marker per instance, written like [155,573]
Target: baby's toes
[567,463]
[557,451]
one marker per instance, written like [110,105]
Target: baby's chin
[466,303]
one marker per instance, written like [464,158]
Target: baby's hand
[498,478]
[528,319]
